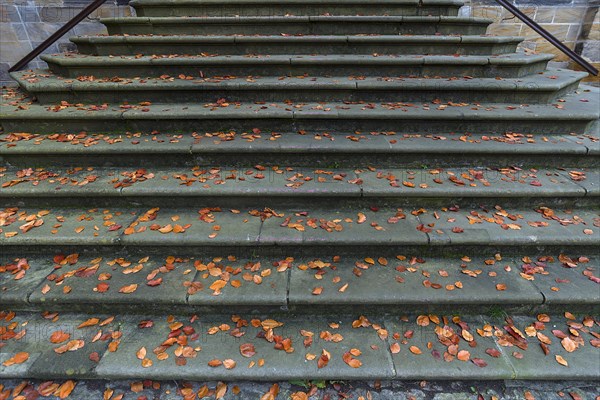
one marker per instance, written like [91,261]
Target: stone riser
[226,10]
[162,46]
[301,28]
[443,93]
[285,69]
[77,158]
[144,123]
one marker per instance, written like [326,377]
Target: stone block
[594,33]
[19,29]
[544,14]
[8,13]
[492,12]
[110,11]
[591,50]
[13,51]
[571,15]
[7,33]
[29,14]
[89,28]
[505,29]
[507,16]
[544,47]
[58,14]
[40,31]
[573,33]
[559,30]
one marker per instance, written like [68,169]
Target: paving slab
[19,274]
[397,280]
[213,339]
[564,279]
[168,227]
[105,279]
[460,182]
[531,362]
[590,140]
[588,179]
[424,353]
[99,226]
[511,227]
[342,227]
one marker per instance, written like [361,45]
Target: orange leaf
[65,389]
[561,360]
[59,337]
[18,358]
[89,322]
[415,350]
[129,288]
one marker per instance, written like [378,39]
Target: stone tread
[349,225]
[385,39]
[294,19]
[76,59]
[297,345]
[39,81]
[290,181]
[580,106]
[290,143]
[95,281]
[167,3]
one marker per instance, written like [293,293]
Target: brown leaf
[395,348]
[479,362]
[415,350]
[493,353]
[229,363]
[247,350]
[323,359]
[561,360]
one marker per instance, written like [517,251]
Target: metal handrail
[548,36]
[93,6]
[504,3]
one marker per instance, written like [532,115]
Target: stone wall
[26,23]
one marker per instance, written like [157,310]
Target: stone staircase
[296,190]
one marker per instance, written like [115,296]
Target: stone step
[257,347]
[298,25]
[312,281]
[220,181]
[350,150]
[350,224]
[295,45]
[575,113]
[504,66]
[540,88]
[213,8]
